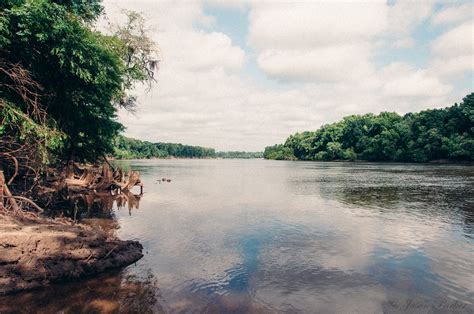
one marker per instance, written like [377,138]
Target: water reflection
[110,293]
[267,236]
[80,206]
[425,191]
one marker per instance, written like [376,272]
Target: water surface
[276,236]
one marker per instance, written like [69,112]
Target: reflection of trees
[130,199]
[426,198]
[412,197]
[370,196]
[110,293]
[96,205]
[96,209]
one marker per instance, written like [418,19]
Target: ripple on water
[266,236]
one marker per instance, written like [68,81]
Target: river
[284,236]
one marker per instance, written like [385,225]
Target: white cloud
[406,14]
[453,14]
[319,41]
[453,51]
[319,57]
[452,67]
[201,51]
[402,80]
[455,42]
[404,43]
[330,63]
[308,25]
[329,41]
[227,4]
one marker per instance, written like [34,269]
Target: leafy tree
[129,148]
[84,74]
[278,152]
[420,137]
[239,154]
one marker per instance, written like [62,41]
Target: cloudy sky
[245,75]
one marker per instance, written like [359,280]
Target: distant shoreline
[433,162]
[173,158]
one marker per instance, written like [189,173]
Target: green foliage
[239,155]
[86,10]
[129,148]
[44,137]
[83,72]
[278,152]
[186,151]
[419,137]
[79,74]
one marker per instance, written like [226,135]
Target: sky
[243,75]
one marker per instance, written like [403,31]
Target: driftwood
[73,180]
[99,179]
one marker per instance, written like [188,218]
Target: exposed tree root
[99,179]
[35,251]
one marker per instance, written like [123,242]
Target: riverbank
[429,162]
[35,252]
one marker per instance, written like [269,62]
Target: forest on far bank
[130,148]
[434,134]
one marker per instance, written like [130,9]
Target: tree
[85,75]
[278,152]
[428,135]
[128,148]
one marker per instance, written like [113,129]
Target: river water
[282,236]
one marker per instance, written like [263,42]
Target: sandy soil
[35,253]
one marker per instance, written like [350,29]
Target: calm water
[276,236]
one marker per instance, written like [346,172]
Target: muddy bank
[37,252]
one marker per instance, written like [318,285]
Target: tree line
[239,155]
[429,135]
[130,148]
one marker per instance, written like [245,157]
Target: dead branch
[15,161]
[7,196]
[21,198]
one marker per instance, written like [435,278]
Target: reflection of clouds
[295,235]
[454,269]
[354,299]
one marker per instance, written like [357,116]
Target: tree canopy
[129,148]
[83,76]
[419,137]
[239,155]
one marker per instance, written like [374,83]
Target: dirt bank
[37,252]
